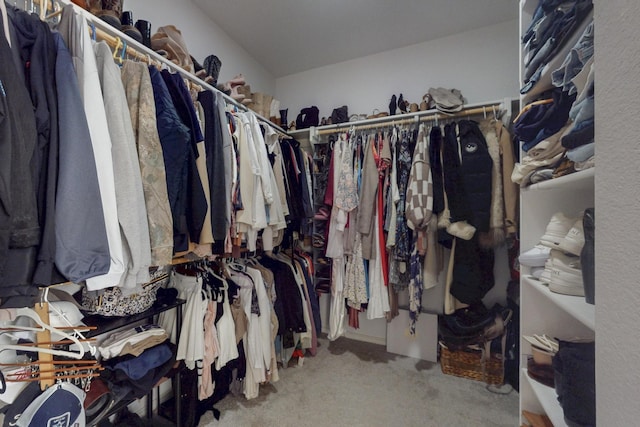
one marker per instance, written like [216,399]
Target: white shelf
[575,306]
[576,181]
[549,401]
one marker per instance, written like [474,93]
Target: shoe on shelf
[566,276]
[535,257]
[128,26]
[574,240]
[393,105]
[237,81]
[536,272]
[235,94]
[556,230]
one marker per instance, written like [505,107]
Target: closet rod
[412,118]
[143,53]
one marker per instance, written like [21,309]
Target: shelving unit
[543,311]
[107,324]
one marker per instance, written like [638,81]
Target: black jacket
[38,56]
[475,171]
[19,227]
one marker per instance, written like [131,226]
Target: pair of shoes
[557,230]
[565,276]
[129,28]
[375,115]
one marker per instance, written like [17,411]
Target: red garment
[382,165]
[328,192]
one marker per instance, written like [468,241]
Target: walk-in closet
[375,213]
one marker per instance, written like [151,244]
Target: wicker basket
[467,364]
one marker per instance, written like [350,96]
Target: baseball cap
[60,406]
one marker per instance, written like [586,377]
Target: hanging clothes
[139,92]
[174,138]
[73,28]
[195,201]
[132,212]
[216,153]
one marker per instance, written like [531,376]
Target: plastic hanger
[28,312]
[115,49]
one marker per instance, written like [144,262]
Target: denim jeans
[574,62]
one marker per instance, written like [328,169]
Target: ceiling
[290,36]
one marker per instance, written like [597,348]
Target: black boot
[283,119]
[128,28]
[145,29]
[393,105]
[587,256]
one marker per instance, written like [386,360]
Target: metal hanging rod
[487,108]
[140,52]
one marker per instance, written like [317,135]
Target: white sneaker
[566,276]
[556,230]
[545,275]
[574,240]
[535,257]
[536,272]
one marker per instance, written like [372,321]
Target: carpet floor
[352,383]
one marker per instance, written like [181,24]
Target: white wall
[482,63]
[617,207]
[203,38]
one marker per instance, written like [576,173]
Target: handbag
[112,301]
[340,115]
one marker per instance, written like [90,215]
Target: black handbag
[308,117]
[340,115]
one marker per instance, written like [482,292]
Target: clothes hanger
[116,58]
[30,313]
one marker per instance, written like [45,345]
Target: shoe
[545,276]
[212,64]
[574,240]
[402,106]
[235,94]
[556,230]
[536,272]
[566,276]
[237,81]
[128,26]
[145,29]
[535,257]
[392,106]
